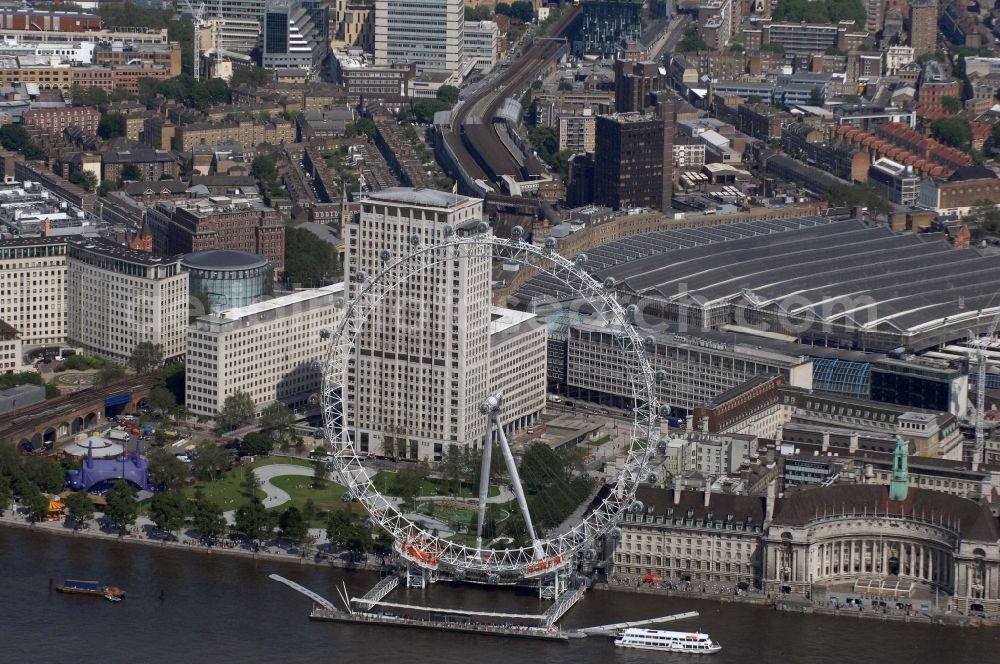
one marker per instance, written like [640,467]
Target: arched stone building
[850,533]
[893,541]
[888,540]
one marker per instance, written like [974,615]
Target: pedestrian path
[273,495]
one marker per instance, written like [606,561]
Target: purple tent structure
[98,475]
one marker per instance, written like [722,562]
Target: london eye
[478,554]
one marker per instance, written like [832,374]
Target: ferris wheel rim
[412,540]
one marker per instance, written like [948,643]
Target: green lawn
[300,489]
[449,511]
[228,491]
[385,482]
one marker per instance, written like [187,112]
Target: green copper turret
[900,484]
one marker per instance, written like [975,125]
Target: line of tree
[820,11]
[185,90]
[862,195]
[523,11]
[9,380]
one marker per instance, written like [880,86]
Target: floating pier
[492,623]
[470,627]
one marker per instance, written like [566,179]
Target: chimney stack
[826,441]
[708,493]
[855,438]
[677,493]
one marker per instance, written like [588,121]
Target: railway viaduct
[73,413]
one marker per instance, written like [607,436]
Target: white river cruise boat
[655,639]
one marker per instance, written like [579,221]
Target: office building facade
[429,33]
[434,348]
[270,350]
[119,297]
[296,34]
[33,289]
[633,161]
[218,222]
[923,26]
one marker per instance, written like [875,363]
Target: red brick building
[219,222]
[117,76]
[56,120]
[42,21]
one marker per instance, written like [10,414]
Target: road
[674,33]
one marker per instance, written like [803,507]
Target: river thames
[219,608]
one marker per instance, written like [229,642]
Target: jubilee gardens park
[260,485]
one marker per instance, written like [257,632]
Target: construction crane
[980,343]
[977,343]
[197,14]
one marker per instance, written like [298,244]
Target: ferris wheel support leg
[484,481]
[522,502]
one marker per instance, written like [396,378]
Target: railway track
[478,149]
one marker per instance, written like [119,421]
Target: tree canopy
[524,11]
[210,460]
[986,215]
[237,410]
[253,76]
[79,508]
[955,132]
[130,172]
[112,125]
[692,41]
[161,399]
[207,519]
[15,138]
[145,357]
[545,140]
[308,260]
[361,127]
[425,109]
[293,526]
[255,444]
[89,96]
[951,104]
[448,94]
[254,521]
[166,470]
[45,472]
[184,89]
[109,374]
[121,509]
[32,498]
[86,180]
[168,511]
[478,13]
[265,169]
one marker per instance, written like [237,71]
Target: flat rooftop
[238,313]
[428,197]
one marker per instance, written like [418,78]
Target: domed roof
[223,259]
